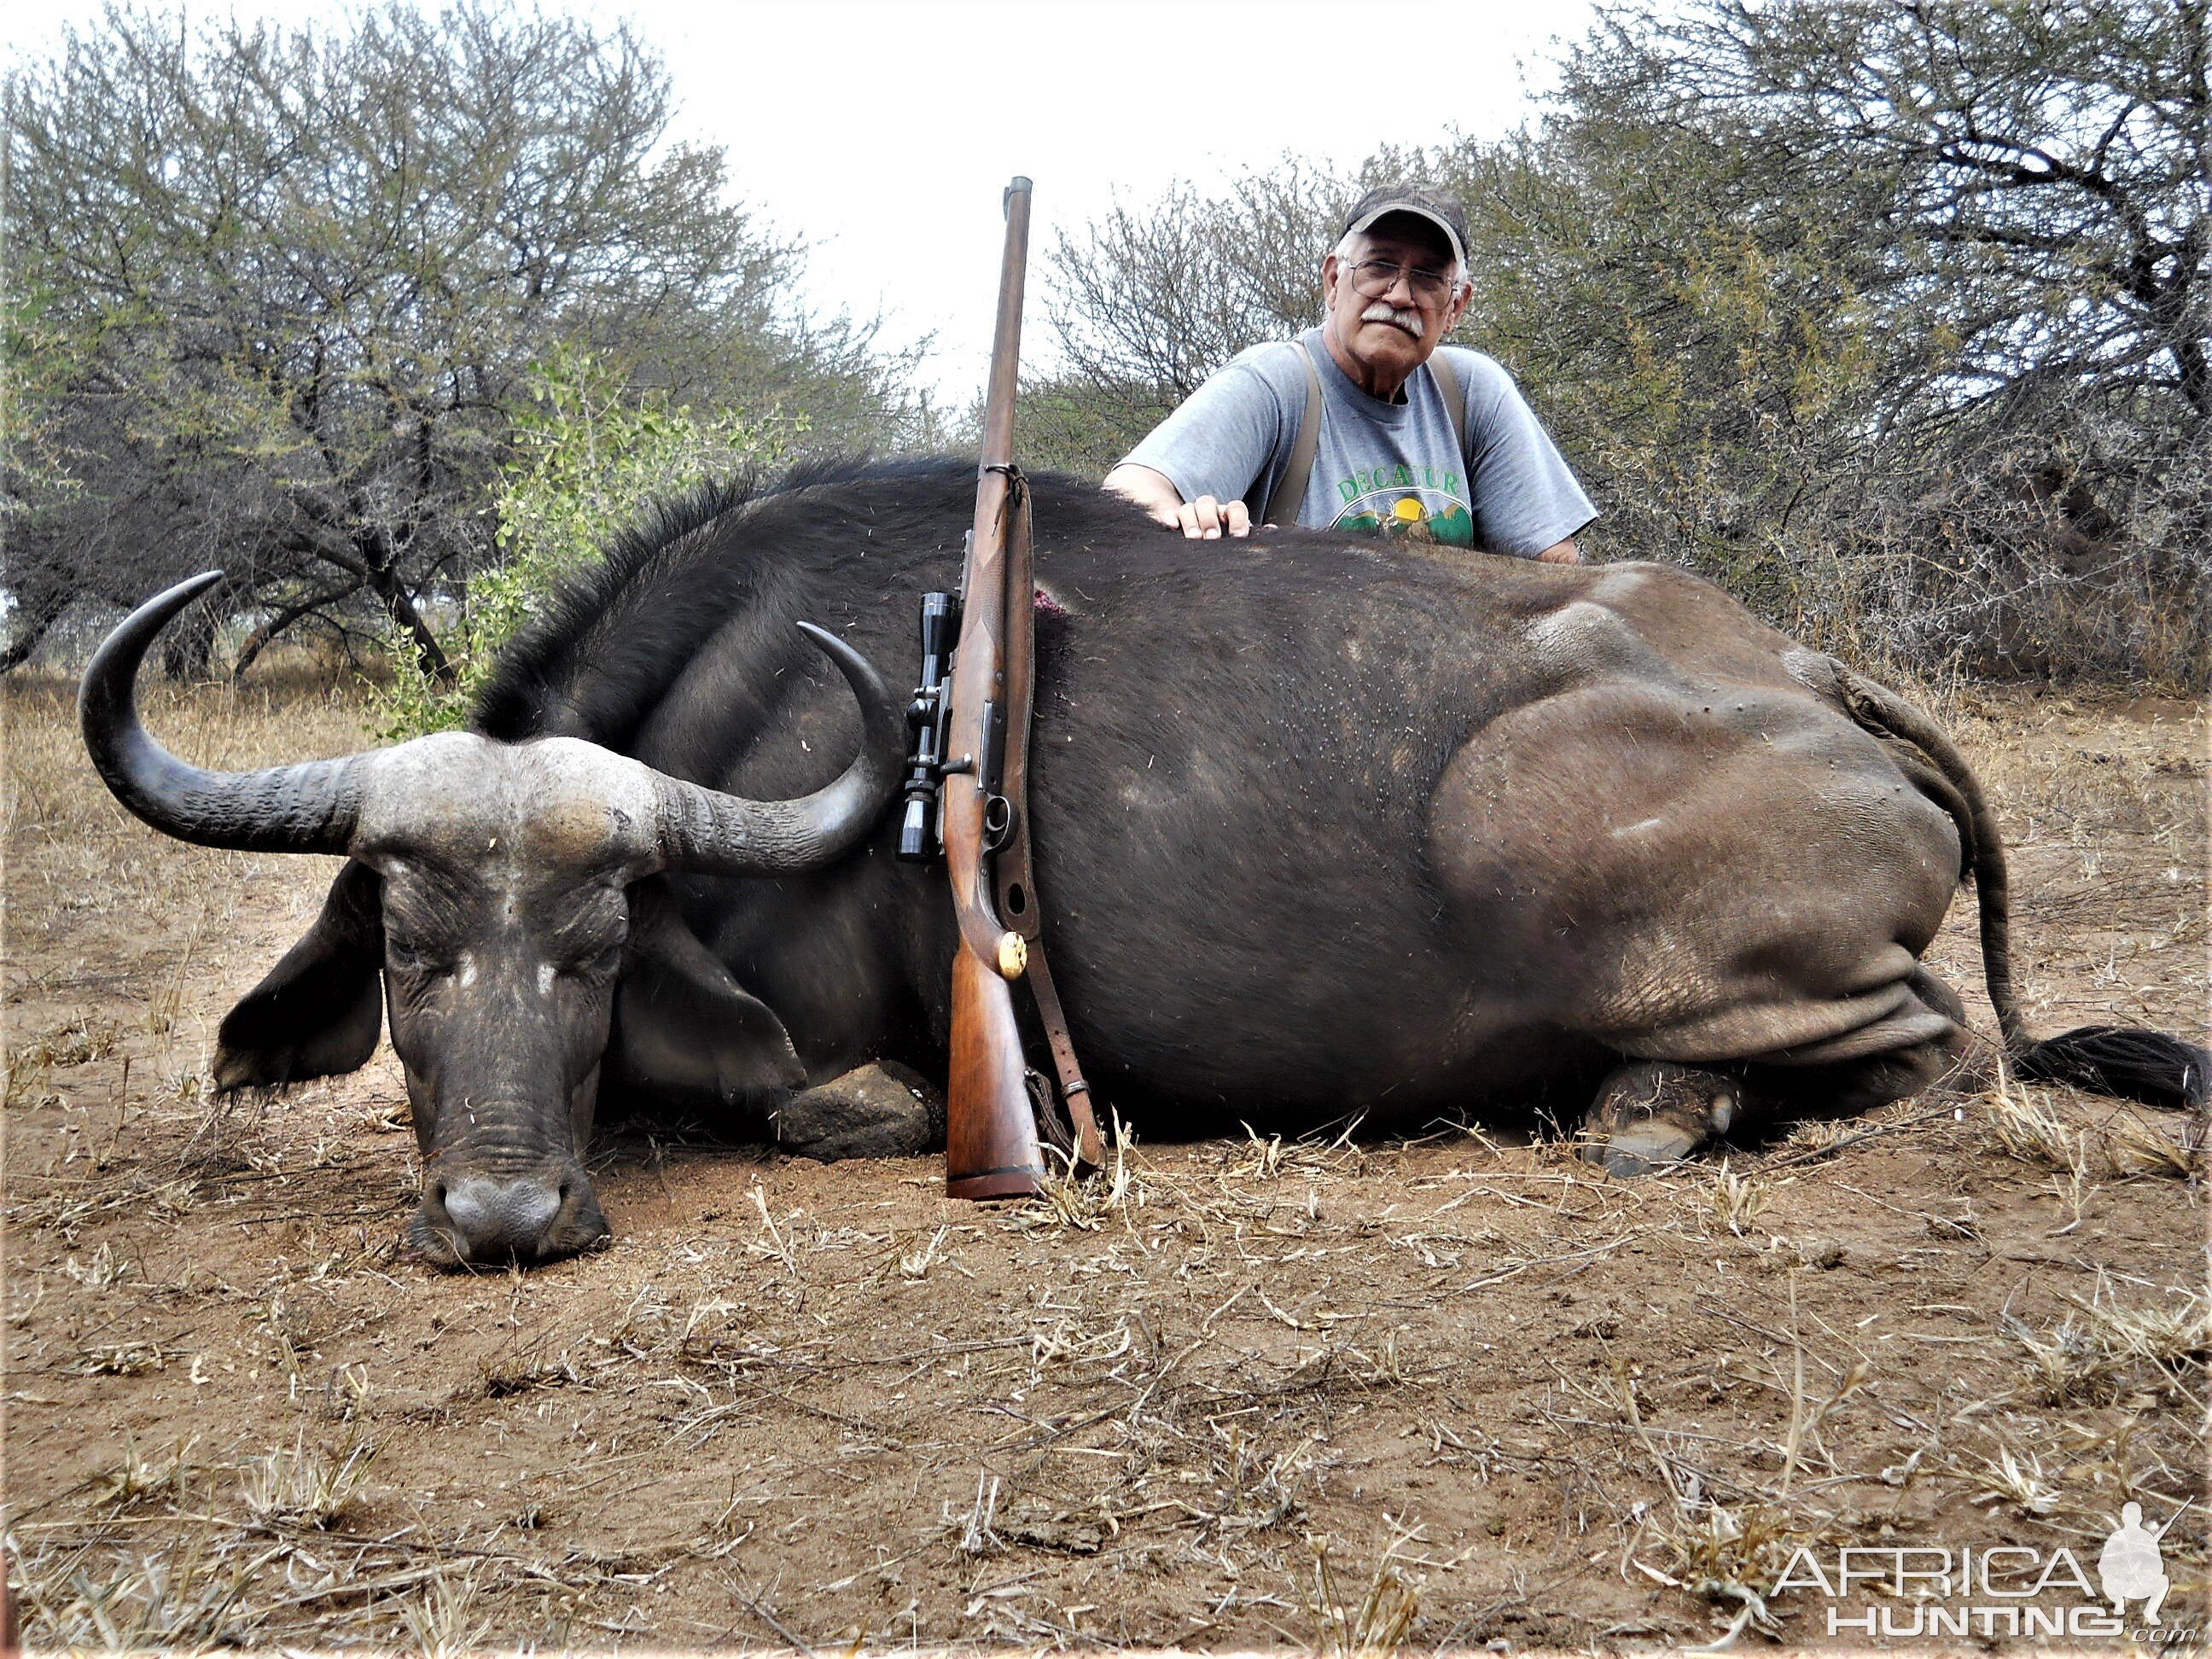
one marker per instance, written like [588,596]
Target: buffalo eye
[599,964]
[408,958]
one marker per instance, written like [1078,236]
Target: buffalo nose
[494,1214]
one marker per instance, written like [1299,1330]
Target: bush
[588,456]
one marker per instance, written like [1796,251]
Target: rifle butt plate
[1021,1181]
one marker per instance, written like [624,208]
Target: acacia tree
[2031,184]
[2059,158]
[1893,315]
[274,290]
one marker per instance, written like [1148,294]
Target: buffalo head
[504,895]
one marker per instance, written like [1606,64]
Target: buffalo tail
[2122,1061]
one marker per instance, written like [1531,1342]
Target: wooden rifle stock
[990,1141]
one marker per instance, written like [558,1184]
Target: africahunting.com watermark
[1997,1590]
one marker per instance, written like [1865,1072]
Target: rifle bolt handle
[1014,956]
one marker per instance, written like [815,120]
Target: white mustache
[1383,311]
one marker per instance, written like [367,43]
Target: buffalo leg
[877,1110]
[1648,1114]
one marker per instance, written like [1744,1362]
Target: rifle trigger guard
[999,821]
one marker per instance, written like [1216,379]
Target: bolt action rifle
[970,762]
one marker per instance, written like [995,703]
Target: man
[1385,453]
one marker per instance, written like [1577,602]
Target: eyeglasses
[1375,277]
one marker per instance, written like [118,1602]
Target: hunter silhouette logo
[2129,1566]
[1995,1589]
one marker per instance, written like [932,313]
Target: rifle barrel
[979,674]
[1006,337]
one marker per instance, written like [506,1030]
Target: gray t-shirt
[1388,467]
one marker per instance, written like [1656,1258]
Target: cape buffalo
[1324,825]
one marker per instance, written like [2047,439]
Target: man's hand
[1564,552]
[1203,519]
[1208,519]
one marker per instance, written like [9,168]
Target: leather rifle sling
[1074,1091]
[1013,872]
[1013,881]
[1290,494]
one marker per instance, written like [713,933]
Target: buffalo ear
[682,1025]
[319,1010]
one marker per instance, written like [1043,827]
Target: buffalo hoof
[1650,1114]
[873,1111]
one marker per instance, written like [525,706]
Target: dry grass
[2083,1157]
[135,1478]
[1738,1201]
[308,1486]
[1089,1200]
[182,1598]
[448,1617]
[86,855]
[974,1537]
[2135,1145]
[1378,1623]
[2029,1131]
[2018,1480]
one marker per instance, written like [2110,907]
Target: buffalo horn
[714,833]
[308,808]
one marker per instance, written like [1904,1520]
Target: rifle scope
[920,837]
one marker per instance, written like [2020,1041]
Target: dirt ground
[1452,1391]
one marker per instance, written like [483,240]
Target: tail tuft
[2123,1060]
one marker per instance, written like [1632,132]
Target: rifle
[972,752]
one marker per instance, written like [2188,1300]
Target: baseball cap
[1440,209]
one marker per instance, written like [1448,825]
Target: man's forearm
[1204,519]
[1147,489]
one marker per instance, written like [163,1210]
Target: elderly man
[1363,424]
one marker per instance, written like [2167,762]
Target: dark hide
[318,1012]
[1322,824]
[683,1026]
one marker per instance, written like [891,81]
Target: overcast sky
[884,133]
